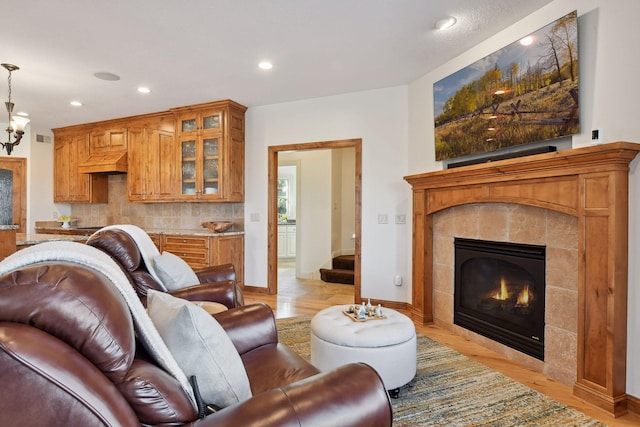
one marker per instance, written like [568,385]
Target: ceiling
[196,51]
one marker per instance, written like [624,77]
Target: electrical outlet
[254,217]
[383,219]
[596,135]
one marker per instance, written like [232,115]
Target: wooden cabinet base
[7,243]
[206,251]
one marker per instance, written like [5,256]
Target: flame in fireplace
[523,297]
[502,294]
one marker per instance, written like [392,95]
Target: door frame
[272,221]
[18,165]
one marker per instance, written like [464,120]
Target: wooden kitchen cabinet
[210,152]
[150,158]
[108,140]
[193,249]
[155,238]
[229,249]
[205,251]
[71,186]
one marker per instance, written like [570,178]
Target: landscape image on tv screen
[523,93]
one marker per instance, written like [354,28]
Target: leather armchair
[69,356]
[217,283]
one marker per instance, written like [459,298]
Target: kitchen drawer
[178,241]
[193,249]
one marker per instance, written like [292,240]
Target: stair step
[344,262]
[337,276]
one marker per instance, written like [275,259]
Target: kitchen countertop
[191,232]
[33,238]
[9,227]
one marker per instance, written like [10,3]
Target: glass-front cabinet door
[201,140]
[211,159]
[197,123]
[188,165]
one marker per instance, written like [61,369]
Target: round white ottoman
[388,345]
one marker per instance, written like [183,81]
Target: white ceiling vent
[45,139]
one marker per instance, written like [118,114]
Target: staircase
[342,271]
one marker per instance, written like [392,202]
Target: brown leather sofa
[69,357]
[217,283]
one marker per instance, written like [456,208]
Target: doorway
[13,192]
[273,217]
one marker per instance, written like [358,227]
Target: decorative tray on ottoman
[369,313]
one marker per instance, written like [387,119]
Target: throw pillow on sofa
[173,271]
[201,347]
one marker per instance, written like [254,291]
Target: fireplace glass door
[499,292]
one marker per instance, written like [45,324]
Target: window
[283,198]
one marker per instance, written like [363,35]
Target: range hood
[110,162]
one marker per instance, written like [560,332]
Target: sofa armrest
[216,273]
[223,292]
[250,326]
[352,395]
[48,382]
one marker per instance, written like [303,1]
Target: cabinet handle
[184,240]
[184,254]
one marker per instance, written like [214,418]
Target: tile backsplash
[181,215]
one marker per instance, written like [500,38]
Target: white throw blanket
[99,261]
[148,249]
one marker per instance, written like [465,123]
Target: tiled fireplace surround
[575,202]
[517,224]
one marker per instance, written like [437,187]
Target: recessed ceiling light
[445,23]
[265,65]
[107,76]
[76,103]
[143,89]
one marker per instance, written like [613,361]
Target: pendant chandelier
[16,123]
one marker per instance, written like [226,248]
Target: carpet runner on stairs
[341,271]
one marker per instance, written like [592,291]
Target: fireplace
[588,183]
[499,292]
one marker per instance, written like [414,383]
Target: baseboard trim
[633,404]
[395,305]
[256,289]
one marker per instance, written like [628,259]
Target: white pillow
[174,272]
[201,347]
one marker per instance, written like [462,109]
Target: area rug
[451,389]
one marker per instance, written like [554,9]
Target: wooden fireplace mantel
[590,183]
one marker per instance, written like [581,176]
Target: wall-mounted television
[523,93]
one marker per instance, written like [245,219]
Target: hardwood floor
[297,297]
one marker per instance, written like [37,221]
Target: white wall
[39,157]
[313,228]
[379,117]
[608,33]
[346,245]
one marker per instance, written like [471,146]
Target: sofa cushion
[201,347]
[173,271]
